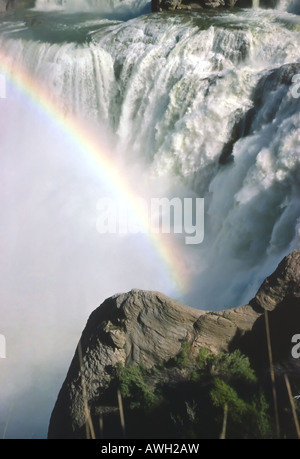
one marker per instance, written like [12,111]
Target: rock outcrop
[169,5]
[147,328]
[10,5]
[6,5]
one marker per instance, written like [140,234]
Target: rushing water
[190,105]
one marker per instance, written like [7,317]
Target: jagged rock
[130,328]
[159,5]
[214,3]
[167,5]
[279,295]
[142,327]
[9,5]
[283,285]
[6,5]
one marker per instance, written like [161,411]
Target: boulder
[168,5]
[6,5]
[10,5]
[147,328]
[159,5]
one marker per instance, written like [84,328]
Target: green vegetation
[183,357]
[253,415]
[133,386]
[222,394]
[231,366]
[187,397]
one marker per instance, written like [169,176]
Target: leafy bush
[222,394]
[183,357]
[203,357]
[259,417]
[233,365]
[189,403]
[246,419]
[133,387]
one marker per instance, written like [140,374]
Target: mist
[56,268]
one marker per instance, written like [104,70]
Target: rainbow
[101,159]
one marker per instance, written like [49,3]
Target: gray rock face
[142,327]
[6,5]
[133,328]
[9,5]
[283,285]
[160,5]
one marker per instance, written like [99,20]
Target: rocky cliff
[10,5]
[169,5]
[5,5]
[147,328]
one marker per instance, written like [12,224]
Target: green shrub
[133,387]
[259,417]
[233,365]
[222,394]
[245,419]
[183,356]
[203,358]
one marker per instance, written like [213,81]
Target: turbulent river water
[187,105]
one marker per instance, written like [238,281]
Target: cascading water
[190,104]
[94,5]
[291,6]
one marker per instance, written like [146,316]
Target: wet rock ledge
[144,329]
[169,5]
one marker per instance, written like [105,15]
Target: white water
[164,92]
[291,6]
[92,5]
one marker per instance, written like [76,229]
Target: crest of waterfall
[92,5]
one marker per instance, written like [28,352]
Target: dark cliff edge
[170,5]
[8,6]
[171,363]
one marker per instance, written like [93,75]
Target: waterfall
[93,5]
[255,3]
[291,6]
[154,87]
